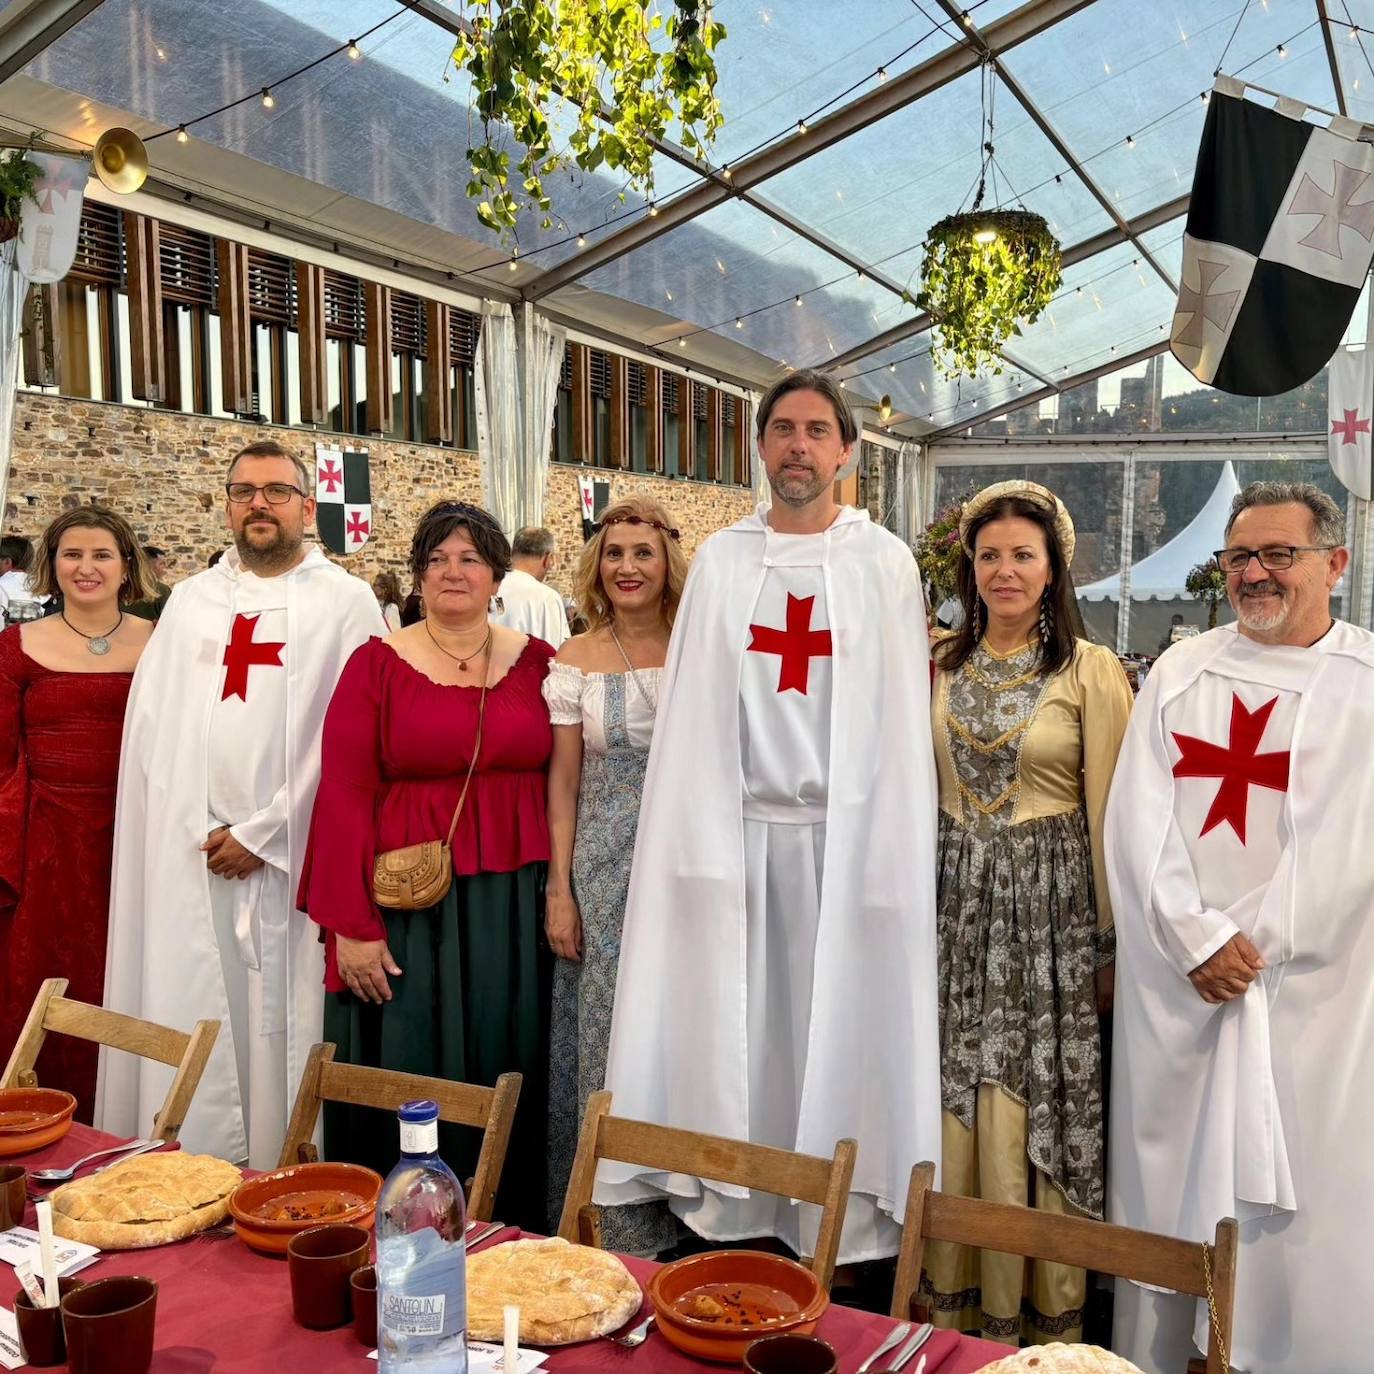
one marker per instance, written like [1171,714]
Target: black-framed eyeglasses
[277,493]
[640,520]
[1274,558]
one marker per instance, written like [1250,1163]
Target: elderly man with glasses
[1243,885]
[220,763]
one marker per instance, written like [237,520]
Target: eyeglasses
[277,493]
[640,520]
[1276,558]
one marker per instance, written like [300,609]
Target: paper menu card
[10,1358]
[484,1358]
[20,1243]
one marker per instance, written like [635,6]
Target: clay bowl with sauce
[713,1306]
[31,1118]
[271,1208]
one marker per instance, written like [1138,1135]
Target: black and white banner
[343,492]
[1279,239]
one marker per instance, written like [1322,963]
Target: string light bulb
[514,262]
[798,301]
[268,99]
[182,135]
[682,342]
[726,173]
[739,323]
[801,126]
[161,54]
[1354,32]
[1130,140]
[354,51]
[653,210]
[882,75]
[582,240]
[1281,50]
[1206,97]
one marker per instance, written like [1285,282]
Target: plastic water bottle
[422,1310]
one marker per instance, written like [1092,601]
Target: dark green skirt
[471,1004]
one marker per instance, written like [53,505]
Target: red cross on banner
[1238,764]
[358,528]
[241,653]
[330,477]
[1349,427]
[797,645]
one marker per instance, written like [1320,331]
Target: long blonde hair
[593,605]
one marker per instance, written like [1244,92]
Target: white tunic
[1240,804]
[781,904]
[532,607]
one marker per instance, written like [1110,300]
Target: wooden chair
[1182,1266]
[784,1173]
[490,1110]
[187,1054]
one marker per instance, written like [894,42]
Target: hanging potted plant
[1207,583]
[937,554]
[18,178]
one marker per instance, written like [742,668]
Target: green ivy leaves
[525,55]
[18,177]
[979,294]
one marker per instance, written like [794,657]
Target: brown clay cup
[14,1183]
[789,1354]
[321,1261]
[109,1326]
[363,1283]
[40,1328]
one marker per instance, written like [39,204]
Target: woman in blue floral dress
[602,692]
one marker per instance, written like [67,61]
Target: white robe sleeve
[1189,931]
[265,832]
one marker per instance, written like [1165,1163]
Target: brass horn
[120,160]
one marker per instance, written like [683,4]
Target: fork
[636,1335]
[61,1175]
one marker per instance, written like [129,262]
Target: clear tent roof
[1097,107]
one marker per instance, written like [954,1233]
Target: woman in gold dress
[1028,721]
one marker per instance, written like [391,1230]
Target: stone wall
[165,472]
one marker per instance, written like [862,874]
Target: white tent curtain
[13,286]
[763,493]
[498,415]
[911,470]
[544,347]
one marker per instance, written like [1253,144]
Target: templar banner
[343,492]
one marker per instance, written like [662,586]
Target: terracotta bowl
[321,1194]
[780,1283]
[31,1118]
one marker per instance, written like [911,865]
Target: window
[563,411]
[599,385]
[345,359]
[463,333]
[701,435]
[730,466]
[186,266]
[671,391]
[636,389]
[407,355]
[272,310]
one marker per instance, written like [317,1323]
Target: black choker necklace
[95,644]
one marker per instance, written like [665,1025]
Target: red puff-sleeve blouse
[395,751]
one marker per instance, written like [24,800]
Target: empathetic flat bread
[565,1292]
[1062,1359]
[151,1200]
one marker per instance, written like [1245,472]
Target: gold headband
[1024,491]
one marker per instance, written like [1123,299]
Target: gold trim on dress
[989,808]
[984,746]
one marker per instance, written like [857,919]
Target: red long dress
[59,759]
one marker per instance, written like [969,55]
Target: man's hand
[1229,972]
[364,965]
[226,857]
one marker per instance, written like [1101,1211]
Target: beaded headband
[641,520]
[1024,491]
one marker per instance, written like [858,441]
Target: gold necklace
[461,662]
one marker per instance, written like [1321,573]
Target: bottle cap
[417,1113]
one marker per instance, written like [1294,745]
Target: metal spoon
[63,1174]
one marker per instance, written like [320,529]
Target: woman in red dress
[460,989]
[63,684]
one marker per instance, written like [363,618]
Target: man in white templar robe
[524,599]
[777,975]
[1243,886]
[218,771]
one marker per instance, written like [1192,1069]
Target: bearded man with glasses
[1243,885]
[220,763]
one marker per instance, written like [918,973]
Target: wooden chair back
[187,1054]
[490,1110]
[784,1173]
[1202,1271]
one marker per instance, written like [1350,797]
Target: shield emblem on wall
[343,491]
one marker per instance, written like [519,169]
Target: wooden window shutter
[343,307]
[270,288]
[310,297]
[438,372]
[99,246]
[187,260]
[149,379]
[407,324]
[716,465]
[653,418]
[584,447]
[464,328]
[377,309]
[235,327]
[688,391]
[618,369]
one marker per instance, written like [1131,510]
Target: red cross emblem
[1239,766]
[241,653]
[1349,428]
[330,475]
[797,645]
[358,527]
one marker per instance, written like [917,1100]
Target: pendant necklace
[650,702]
[95,644]
[461,662]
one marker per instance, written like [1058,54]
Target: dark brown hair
[391,587]
[809,379]
[446,517]
[137,584]
[270,448]
[1057,652]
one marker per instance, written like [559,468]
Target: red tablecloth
[221,1307]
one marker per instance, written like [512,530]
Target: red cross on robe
[797,645]
[1238,764]
[241,653]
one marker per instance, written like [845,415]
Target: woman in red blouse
[461,989]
